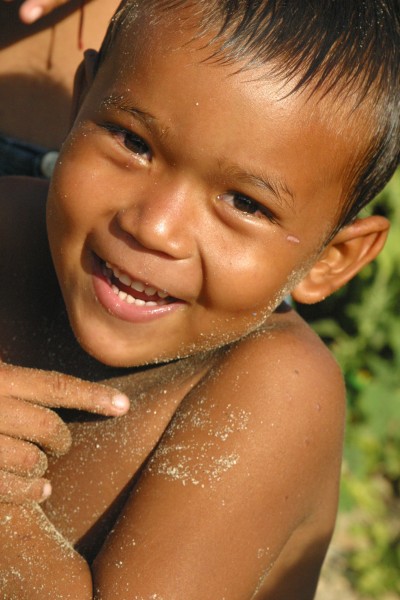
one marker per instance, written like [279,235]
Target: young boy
[219,156]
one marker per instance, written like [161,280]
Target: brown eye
[136,144]
[247,205]
[130,140]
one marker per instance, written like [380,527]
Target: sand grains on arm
[251,456]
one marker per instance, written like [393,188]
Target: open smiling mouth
[133,291]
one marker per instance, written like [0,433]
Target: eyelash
[125,136]
[239,202]
[247,205]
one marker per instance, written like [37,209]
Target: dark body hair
[344,47]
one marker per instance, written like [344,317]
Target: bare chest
[92,482]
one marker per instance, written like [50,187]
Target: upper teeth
[135,285]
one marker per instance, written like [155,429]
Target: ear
[349,251]
[83,79]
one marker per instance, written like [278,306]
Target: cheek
[70,202]
[256,277]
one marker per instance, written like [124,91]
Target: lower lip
[122,310]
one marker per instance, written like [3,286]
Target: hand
[32,10]
[28,427]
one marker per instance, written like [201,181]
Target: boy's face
[193,180]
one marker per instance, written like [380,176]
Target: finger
[53,389]
[32,10]
[26,421]
[18,490]
[21,458]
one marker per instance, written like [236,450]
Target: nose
[160,217]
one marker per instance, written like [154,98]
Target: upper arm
[240,469]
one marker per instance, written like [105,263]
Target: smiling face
[188,199]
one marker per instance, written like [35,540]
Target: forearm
[35,561]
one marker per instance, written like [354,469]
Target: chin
[115,353]
[108,355]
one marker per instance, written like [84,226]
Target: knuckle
[48,422]
[21,457]
[12,488]
[18,490]
[34,461]
[59,385]
[5,487]
[55,434]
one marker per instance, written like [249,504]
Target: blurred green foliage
[361,324]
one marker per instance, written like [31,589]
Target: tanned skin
[221,482]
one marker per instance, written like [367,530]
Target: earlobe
[349,251]
[83,79]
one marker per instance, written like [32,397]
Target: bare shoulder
[286,347]
[241,492]
[286,367]
[288,382]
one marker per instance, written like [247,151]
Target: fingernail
[33,14]
[46,491]
[120,402]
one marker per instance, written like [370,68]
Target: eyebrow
[275,186]
[117,102]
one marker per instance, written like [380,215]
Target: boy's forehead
[149,40]
[170,52]
[160,32]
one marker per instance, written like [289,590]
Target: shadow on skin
[299,580]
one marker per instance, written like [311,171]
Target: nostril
[152,230]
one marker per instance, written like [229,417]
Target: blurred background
[361,325]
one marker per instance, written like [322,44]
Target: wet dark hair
[345,47]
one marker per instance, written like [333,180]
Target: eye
[136,144]
[247,205]
[131,141]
